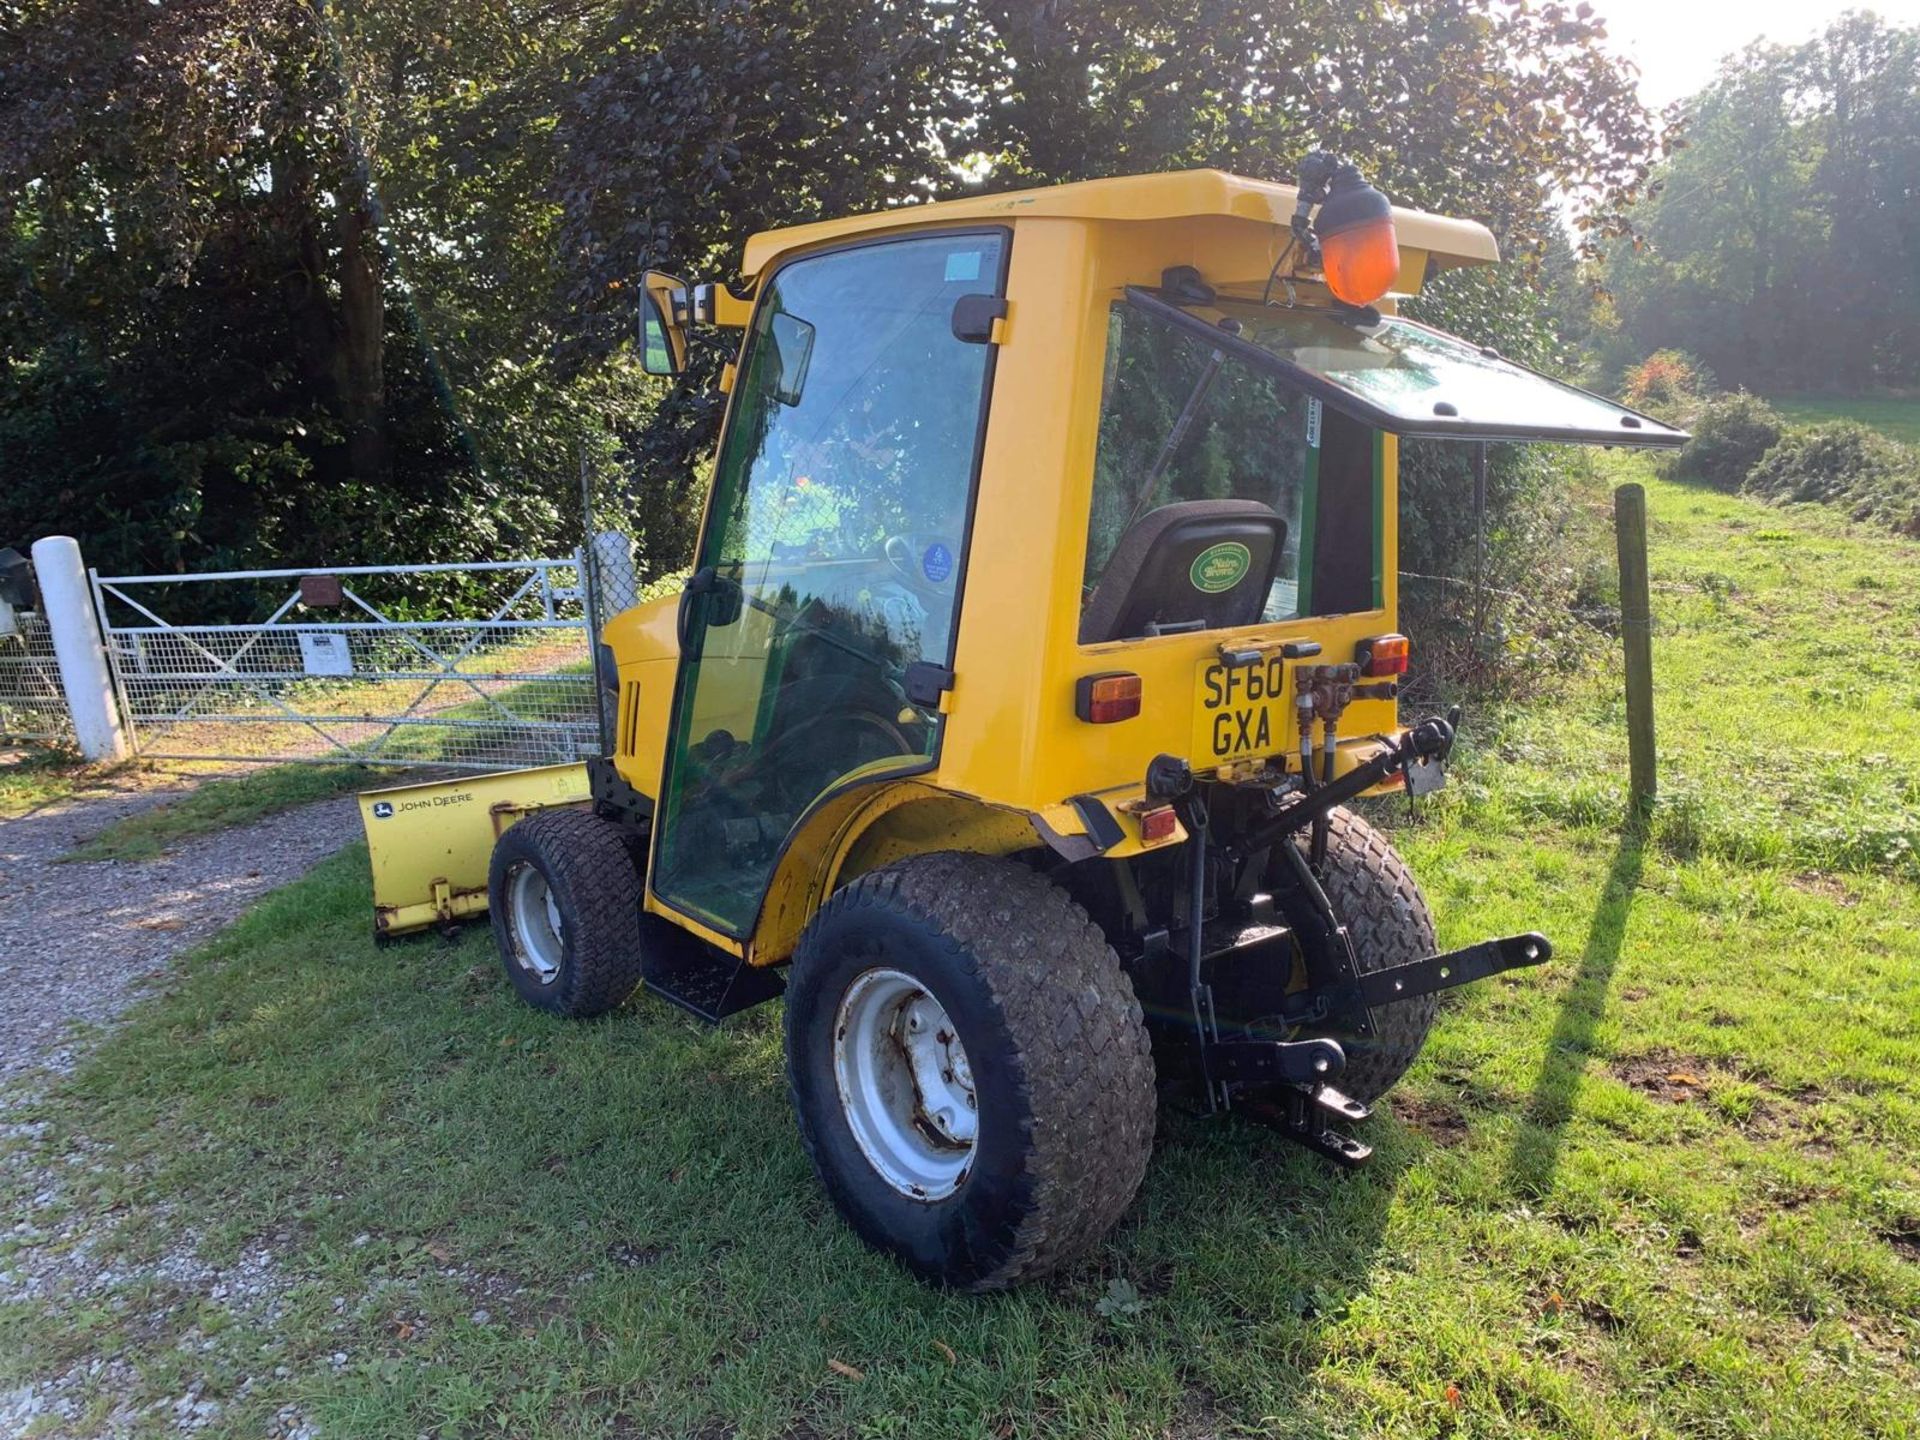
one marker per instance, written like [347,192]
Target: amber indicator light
[1382,655]
[1109,696]
[1353,231]
[1361,263]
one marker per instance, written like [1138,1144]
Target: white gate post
[619,586]
[84,673]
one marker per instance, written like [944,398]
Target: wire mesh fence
[32,704]
[484,666]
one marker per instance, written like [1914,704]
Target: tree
[303,280]
[1783,246]
[194,241]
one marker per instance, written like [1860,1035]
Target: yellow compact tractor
[1042,626]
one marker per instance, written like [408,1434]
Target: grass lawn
[1895,417]
[1666,1186]
[221,804]
[33,779]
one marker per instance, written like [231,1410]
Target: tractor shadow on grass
[1542,1131]
[1238,1233]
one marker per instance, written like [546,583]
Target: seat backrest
[1205,561]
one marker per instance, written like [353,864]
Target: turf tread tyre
[596,884]
[1377,899]
[1073,1052]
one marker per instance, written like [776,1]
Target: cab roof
[1181,194]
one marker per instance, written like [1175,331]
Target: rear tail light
[1157,824]
[1382,655]
[1107,697]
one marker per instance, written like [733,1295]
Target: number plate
[1239,711]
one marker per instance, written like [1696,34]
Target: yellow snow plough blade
[430,844]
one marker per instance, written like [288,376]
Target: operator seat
[1150,587]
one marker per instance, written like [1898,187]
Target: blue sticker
[937,563]
[963,265]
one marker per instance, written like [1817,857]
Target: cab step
[700,978]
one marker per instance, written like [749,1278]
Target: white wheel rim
[539,935]
[905,1085]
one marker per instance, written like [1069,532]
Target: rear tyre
[1375,897]
[969,1069]
[564,894]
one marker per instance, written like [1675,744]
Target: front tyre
[969,1069]
[564,895]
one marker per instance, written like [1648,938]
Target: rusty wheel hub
[905,1084]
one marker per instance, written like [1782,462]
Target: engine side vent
[629,725]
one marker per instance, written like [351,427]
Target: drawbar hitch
[1288,1082]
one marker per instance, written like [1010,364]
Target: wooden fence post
[1636,634]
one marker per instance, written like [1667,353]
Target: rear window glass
[1183,421]
[1411,379]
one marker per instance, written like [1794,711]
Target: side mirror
[791,341]
[664,303]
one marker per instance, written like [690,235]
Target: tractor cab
[1042,627]
[1018,493]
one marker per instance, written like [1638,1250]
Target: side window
[1221,493]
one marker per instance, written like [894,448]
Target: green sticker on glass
[1220,567]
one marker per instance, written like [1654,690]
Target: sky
[1678,44]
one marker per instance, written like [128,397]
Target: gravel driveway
[79,939]
[82,942]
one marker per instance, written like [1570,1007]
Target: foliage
[1779,241]
[1514,623]
[315,282]
[37,776]
[1668,383]
[1730,434]
[1848,464]
[211,363]
[1740,442]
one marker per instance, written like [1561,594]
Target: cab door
[818,626]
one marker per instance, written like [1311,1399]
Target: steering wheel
[929,563]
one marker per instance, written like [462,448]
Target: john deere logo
[1219,567]
[383,809]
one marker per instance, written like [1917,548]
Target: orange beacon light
[1359,254]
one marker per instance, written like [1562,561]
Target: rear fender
[861,830]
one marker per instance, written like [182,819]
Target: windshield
[1215,483]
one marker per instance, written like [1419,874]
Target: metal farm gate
[33,706]
[481,666]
